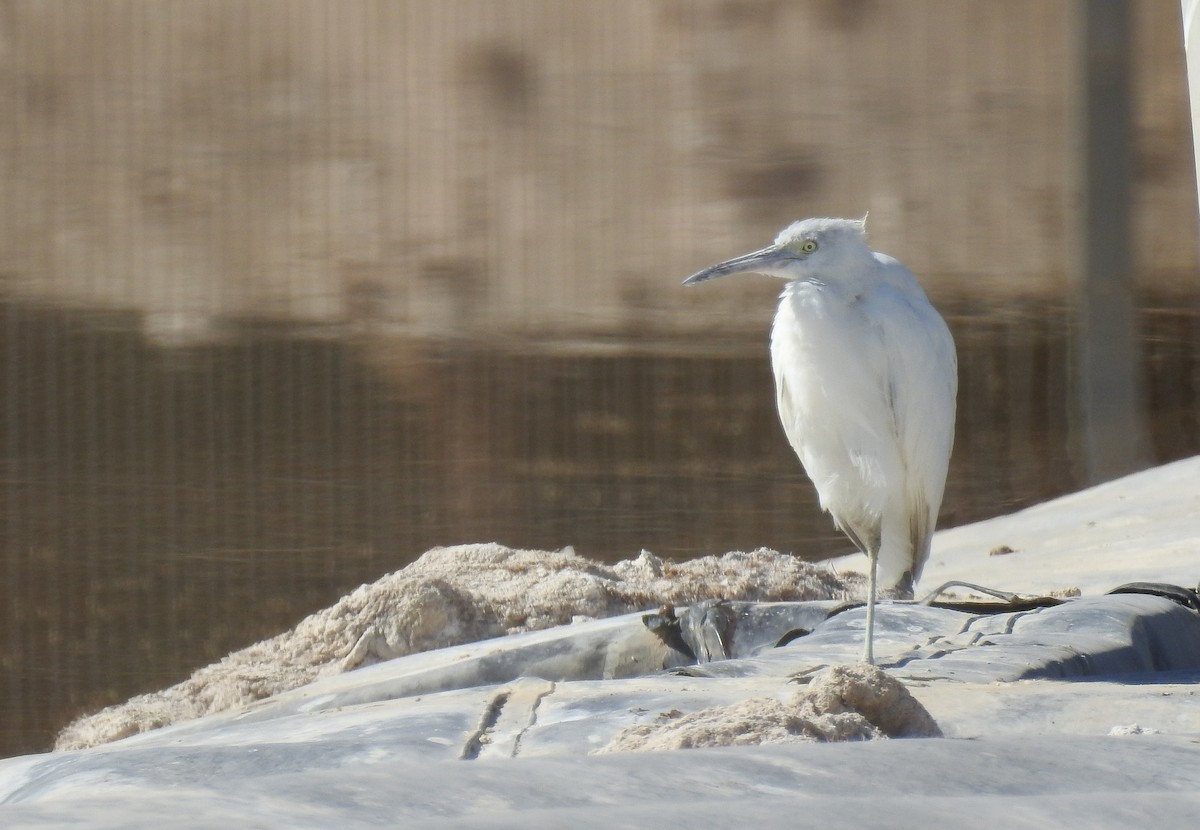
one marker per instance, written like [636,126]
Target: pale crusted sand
[842,703]
[458,595]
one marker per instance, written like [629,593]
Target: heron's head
[808,248]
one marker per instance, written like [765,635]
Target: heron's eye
[808,246]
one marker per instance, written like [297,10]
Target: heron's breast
[830,376]
[830,359]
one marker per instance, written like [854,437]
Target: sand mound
[451,596]
[843,703]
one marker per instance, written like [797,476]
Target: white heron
[866,378]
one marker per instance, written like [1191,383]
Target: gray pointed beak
[763,261]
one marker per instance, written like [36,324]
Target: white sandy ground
[1114,753]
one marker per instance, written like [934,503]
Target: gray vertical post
[1110,424]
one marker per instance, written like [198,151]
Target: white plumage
[866,379]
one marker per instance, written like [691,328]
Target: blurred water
[159,508]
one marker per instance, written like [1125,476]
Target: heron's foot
[903,589]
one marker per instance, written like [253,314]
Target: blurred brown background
[291,291]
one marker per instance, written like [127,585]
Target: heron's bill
[763,261]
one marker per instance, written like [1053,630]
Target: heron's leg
[868,647]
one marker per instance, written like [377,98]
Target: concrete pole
[1110,423]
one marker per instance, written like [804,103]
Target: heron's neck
[843,281]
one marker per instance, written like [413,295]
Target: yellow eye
[808,246]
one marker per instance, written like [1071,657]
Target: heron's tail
[904,548]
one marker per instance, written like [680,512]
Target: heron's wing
[922,385]
[830,364]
